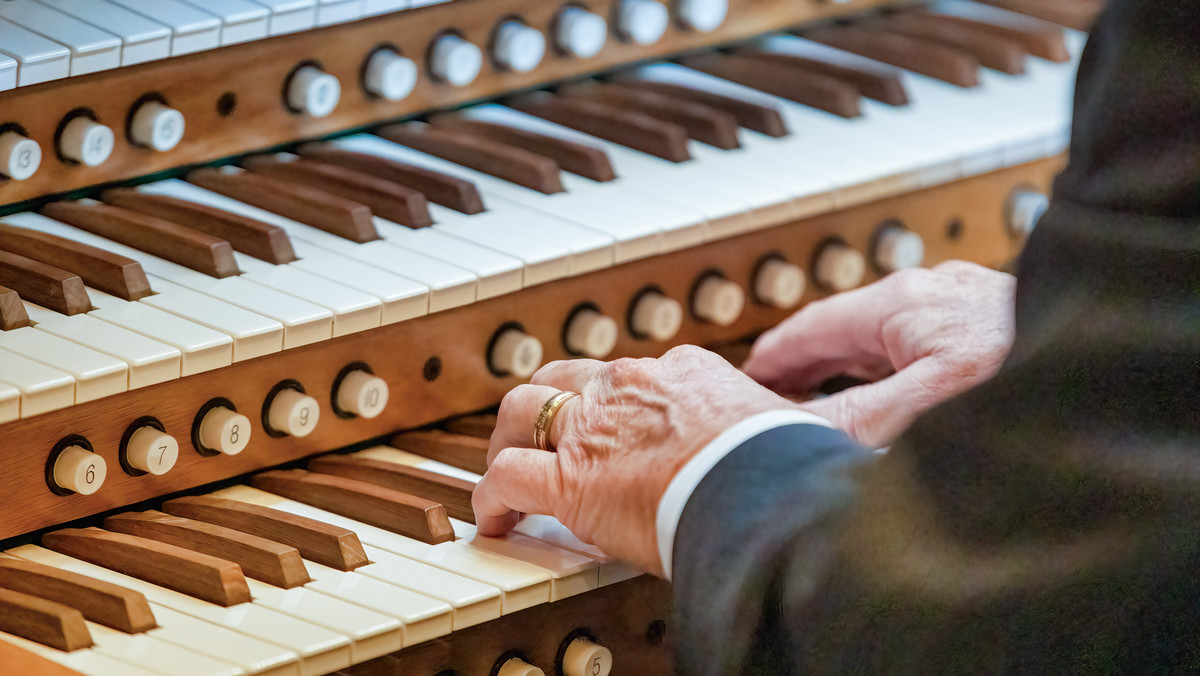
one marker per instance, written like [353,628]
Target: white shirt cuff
[670,507]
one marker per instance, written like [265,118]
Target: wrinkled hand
[618,445]
[937,332]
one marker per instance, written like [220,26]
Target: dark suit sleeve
[1048,520]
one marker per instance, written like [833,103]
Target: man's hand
[618,445]
[937,332]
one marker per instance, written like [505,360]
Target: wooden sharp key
[634,130]
[478,425]
[317,541]
[46,622]
[1001,53]
[190,248]
[448,191]
[398,512]
[811,89]
[12,310]
[101,602]
[263,241]
[939,61]
[880,81]
[577,158]
[320,209]
[43,284]
[752,116]
[261,559]
[456,450]
[453,493]
[1078,14]
[200,575]
[387,199]
[501,160]
[703,123]
[109,272]
[1040,38]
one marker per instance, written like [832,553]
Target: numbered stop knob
[718,300]
[898,248]
[516,666]
[87,142]
[643,22]
[584,657]
[151,450]
[455,60]
[656,316]
[580,33]
[779,283]
[225,431]
[293,413]
[518,46]
[702,15]
[79,470]
[389,75]
[362,394]
[1025,209]
[839,267]
[591,334]
[20,156]
[515,353]
[157,126]
[313,92]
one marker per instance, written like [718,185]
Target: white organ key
[148,651]
[353,310]
[496,273]
[8,72]
[10,403]
[472,602]
[522,585]
[150,362]
[91,662]
[253,334]
[330,12]
[248,652]
[142,39]
[201,348]
[303,322]
[96,375]
[38,59]
[42,388]
[290,16]
[192,29]
[377,7]
[92,49]
[241,20]
[320,649]
[514,231]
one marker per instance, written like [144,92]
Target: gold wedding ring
[545,419]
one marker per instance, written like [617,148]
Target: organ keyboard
[237,237]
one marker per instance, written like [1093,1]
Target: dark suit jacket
[1047,521]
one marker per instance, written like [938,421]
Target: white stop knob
[580,33]
[87,142]
[20,156]
[656,317]
[718,300]
[585,658]
[293,413]
[157,126]
[1025,209]
[519,667]
[314,92]
[152,450]
[80,470]
[840,268]
[591,334]
[225,431]
[518,46]
[455,60]
[390,76]
[363,394]
[898,248]
[779,283]
[516,353]
[643,21]
[703,15]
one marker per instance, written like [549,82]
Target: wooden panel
[962,220]
[27,664]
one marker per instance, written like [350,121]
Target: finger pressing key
[520,481]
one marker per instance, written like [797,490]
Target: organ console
[262,261]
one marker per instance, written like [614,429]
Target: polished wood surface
[46,622]
[109,272]
[703,123]
[597,118]
[939,61]
[457,450]
[577,158]
[451,492]
[99,601]
[474,425]
[874,80]
[43,284]
[998,52]
[12,310]
[782,79]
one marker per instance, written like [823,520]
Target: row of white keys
[37,59]
[150,362]
[320,649]
[353,310]
[10,403]
[96,375]
[192,29]
[241,20]
[90,662]
[495,273]
[92,49]
[42,388]
[290,16]
[512,228]
[303,322]
[331,12]
[201,348]
[142,39]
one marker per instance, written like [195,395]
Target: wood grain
[392,510]
[12,310]
[632,129]
[46,285]
[324,543]
[759,118]
[109,272]
[46,622]
[577,158]
[786,81]
[456,450]
[259,558]
[99,601]
[453,493]
[204,577]
[702,122]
